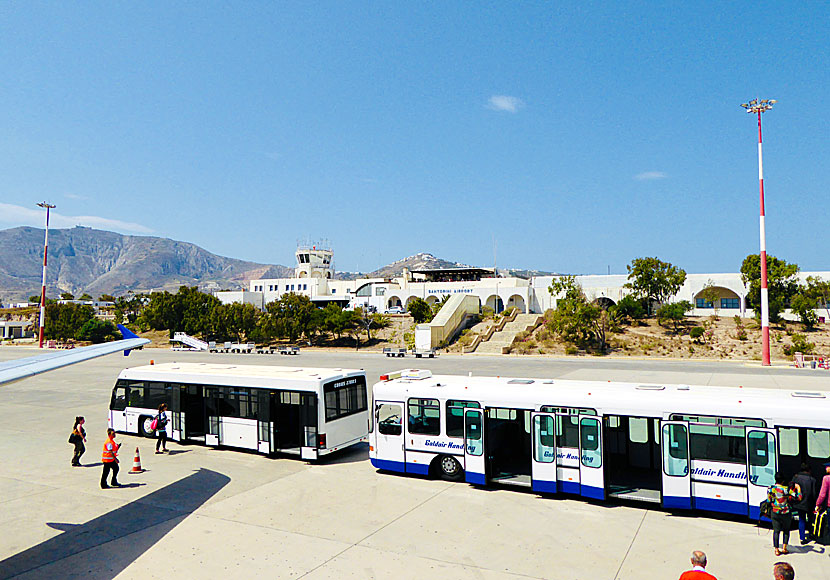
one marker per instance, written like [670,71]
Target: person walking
[110,460]
[807,484]
[161,427]
[698,571]
[783,571]
[823,500]
[780,496]
[78,438]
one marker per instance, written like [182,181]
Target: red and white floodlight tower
[761,106]
[47,206]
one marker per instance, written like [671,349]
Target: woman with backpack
[78,438]
[780,497]
[161,427]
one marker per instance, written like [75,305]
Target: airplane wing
[14,370]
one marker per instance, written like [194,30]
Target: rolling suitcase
[821,528]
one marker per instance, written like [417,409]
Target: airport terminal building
[313,277]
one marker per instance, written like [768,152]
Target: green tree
[65,296]
[711,294]
[804,306]
[106,298]
[63,321]
[292,316]
[654,280]
[189,311]
[233,321]
[420,311]
[782,284]
[336,320]
[673,312]
[575,319]
[85,296]
[629,308]
[96,331]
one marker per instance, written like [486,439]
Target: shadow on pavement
[353,454]
[154,515]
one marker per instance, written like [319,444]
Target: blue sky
[579,135]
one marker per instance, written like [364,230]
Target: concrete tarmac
[206,513]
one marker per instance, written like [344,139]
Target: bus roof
[782,407]
[233,374]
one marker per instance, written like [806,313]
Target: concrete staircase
[499,341]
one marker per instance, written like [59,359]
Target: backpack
[154,425]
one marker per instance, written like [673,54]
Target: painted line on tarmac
[631,545]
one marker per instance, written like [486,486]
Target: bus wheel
[144,423]
[450,468]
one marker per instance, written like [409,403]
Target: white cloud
[19,215]
[75,196]
[505,103]
[650,176]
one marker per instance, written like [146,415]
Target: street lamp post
[761,106]
[47,207]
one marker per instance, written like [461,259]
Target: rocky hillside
[100,262]
[417,262]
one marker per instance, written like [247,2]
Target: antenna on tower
[495,270]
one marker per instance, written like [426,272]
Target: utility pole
[46,206]
[758,107]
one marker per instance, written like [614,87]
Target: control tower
[314,261]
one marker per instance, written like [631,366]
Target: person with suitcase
[807,483]
[821,524]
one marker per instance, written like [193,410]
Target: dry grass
[721,341]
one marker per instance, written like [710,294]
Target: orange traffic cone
[137,463]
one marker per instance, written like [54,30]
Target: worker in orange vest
[110,460]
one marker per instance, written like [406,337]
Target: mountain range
[86,260]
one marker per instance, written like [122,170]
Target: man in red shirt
[698,571]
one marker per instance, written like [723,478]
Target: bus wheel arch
[447,467]
[144,422]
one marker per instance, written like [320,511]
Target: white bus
[680,446]
[309,412]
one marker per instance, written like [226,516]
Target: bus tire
[144,426]
[449,468]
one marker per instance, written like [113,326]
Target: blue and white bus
[680,446]
[309,412]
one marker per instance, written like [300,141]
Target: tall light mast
[761,106]
[46,206]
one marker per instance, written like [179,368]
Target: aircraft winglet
[126,332]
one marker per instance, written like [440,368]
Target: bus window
[567,431]
[158,393]
[589,443]
[119,398]
[424,417]
[818,443]
[389,419]
[761,458]
[345,397]
[543,450]
[472,436]
[638,430]
[788,441]
[675,462]
[721,439]
[136,396]
[455,416]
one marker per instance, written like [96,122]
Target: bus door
[591,474]
[308,426]
[388,438]
[474,459]
[118,406]
[211,410]
[543,465]
[761,466]
[677,473]
[175,411]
